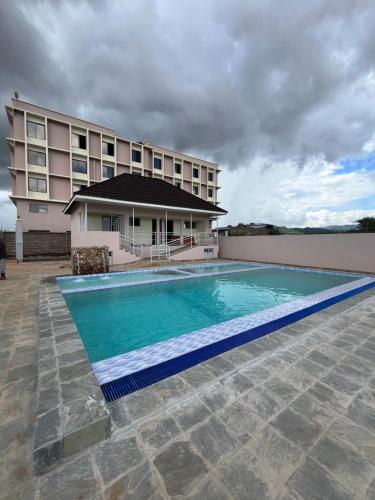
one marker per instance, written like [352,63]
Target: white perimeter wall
[352,252]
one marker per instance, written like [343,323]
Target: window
[210,192]
[177,168]
[157,163]
[195,189]
[210,177]
[35,208]
[136,155]
[108,148]
[208,253]
[178,184]
[111,223]
[78,141]
[35,130]
[37,185]
[36,158]
[137,221]
[137,173]
[77,187]
[108,171]
[196,173]
[187,224]
[79,166]
[106,222]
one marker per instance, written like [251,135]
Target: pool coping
[72,413]
[125,373]
[66,426]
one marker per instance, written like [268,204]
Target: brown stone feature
[90,260]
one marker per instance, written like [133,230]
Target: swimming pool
[121,320]
[70,284]
[129,329]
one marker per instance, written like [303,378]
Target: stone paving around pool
[288,416]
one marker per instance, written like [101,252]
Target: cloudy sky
[281,94]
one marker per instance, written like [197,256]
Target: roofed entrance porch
[143,233]
[177,227]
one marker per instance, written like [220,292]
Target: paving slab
[265,421]
[345,464]
[180,467]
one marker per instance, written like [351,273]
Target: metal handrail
[133,246]
[160,251]
[195,239]
[164,250]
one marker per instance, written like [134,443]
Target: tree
[366,225]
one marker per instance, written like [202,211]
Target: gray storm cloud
[228,80]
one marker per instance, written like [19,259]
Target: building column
[191,229]
[158,231]
[133,224]
[166,226]
[85,217]
[19,240]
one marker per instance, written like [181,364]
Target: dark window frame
[105,168]
[112,223]
[159,162]
[210,177]
[79,166]
[38,127]
[38,181]
[82,142]
[136,156]
[187,224]
[177,168]
[108,148]
[37,207]
[195,170]
[137,221]
[40,154]
[212,193]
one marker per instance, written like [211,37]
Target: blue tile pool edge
[127,384]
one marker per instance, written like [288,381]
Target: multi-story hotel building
[53,155]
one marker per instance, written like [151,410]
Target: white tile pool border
[125,364]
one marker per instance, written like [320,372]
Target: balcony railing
[172,238]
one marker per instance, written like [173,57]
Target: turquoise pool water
[215,268]
[131,277]
[74,283]
[119,320]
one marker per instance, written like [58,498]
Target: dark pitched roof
[145,190]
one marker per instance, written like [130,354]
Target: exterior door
[169,230]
